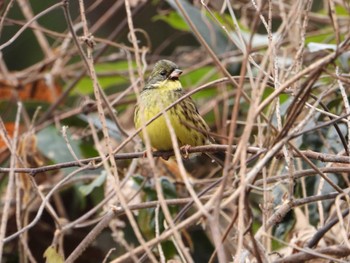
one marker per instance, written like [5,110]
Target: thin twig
[11,180]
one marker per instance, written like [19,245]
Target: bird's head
[164,74]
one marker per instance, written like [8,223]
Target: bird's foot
[184,151]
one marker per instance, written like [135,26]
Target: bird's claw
[184,151]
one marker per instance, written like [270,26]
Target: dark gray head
[163,70]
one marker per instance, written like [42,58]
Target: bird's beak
[175,74]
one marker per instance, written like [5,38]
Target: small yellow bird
[162,89]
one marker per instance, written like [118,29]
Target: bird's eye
[163,72]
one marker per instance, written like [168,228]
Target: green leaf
[193,77]
[88,149]
[169,249]
[268,91]
[174,20]
[210,31]
[168,187]
[146,217]
[51,142]
[87,189]
[322,37]
[112,127]
[85,86]
[340,10]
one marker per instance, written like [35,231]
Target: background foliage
[271,79]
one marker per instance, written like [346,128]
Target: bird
[163,88]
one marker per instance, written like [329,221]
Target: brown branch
[20,31]
[119,211]
[323,230]
[303,173]
[197,149]
[335,251]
